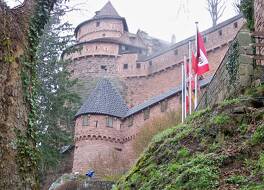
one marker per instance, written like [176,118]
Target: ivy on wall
[247,8]
[27,154]
[232,65]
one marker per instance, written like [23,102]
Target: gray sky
[159,18]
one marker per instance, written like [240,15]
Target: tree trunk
[17,170]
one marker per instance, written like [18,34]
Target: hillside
[216,148]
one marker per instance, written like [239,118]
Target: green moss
[258,135]
[200,172]
[221,119]
[237,179]
[229,102]
[198,114]
[260,162]
[243,128]
[183,153]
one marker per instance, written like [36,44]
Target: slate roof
[161,97]
[104,99]
[107,10]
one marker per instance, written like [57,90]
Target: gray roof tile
[104,99]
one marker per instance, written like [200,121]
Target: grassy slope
[218,148]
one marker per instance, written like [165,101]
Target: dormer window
[85,120]
[97,24]
[109,121]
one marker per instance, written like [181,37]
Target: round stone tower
[105,24]
[98,132]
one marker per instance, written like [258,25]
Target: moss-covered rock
[219,148]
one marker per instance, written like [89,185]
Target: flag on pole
[201,65]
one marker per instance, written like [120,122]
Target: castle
[126,80]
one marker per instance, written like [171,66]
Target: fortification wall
[93,49]
[96,28]
[143,88]
[234,73]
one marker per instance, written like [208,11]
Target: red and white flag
[201,64]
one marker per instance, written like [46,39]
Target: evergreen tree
[57,104]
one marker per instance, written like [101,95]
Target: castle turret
[106,23]
[98,133]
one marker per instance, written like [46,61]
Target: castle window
[103,67]
[109,122]
[220,32]
[150,63]
[103,35]
[130,122]
[138,65]
[176,52]
[235,25]
[97,24]
[85,120]
[164,106]
[125,66]
[205,39]
[123,48]
[146,114]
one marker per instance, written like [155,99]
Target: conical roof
[104,99]
[107,10]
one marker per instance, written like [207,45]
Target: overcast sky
[159,18]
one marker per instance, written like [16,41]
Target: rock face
[77,182]
[216,148]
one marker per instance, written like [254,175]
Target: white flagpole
[190,80]
[185,101]
[195,90]
[182,94]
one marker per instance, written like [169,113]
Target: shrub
[109,166]
[258,136]
[221,119]
[237,179]
[153,127]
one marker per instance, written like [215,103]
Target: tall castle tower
[126,80]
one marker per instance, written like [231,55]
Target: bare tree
[216,9]
[236,5]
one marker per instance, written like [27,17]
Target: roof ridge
[107,10]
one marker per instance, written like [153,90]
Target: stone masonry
[126,80]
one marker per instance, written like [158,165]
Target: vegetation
[151,128]
[19,39]
[210,151]
[247,8]
[56,103]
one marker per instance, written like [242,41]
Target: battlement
[148,73]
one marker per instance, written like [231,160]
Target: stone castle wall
[99,29]
[95,143]
[226,83]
